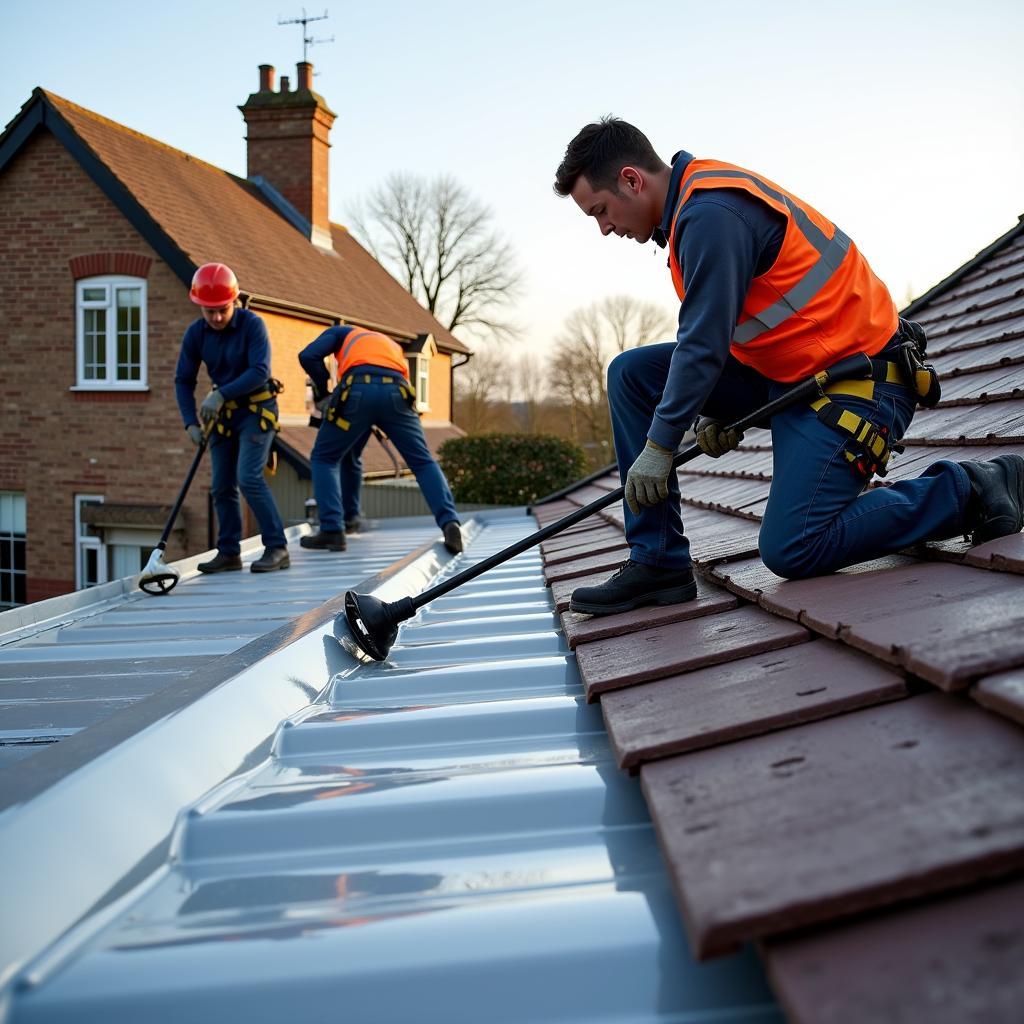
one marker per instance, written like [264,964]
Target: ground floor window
[90,551]
[12,548]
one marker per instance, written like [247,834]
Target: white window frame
[110,285]
[84,542]
[16,519]
[419,374]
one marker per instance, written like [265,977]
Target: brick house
[101,229]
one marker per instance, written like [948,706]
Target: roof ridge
[59,101]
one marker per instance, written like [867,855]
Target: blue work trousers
[819,518]
[351,478]
[238,462]
[376,404]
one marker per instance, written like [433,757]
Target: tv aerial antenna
[307,40]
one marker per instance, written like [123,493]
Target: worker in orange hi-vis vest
[771,292]
[373,390]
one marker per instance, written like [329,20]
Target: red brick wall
[56,443]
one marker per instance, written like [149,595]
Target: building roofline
[947,283]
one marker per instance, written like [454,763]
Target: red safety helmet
[213,285]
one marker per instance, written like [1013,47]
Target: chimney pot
[284,83]
[266,78]
[304,76]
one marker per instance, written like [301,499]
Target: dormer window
[111,333]
[418,354]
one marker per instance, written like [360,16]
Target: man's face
[218,317]
[625,213]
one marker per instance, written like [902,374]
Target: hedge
[509,469]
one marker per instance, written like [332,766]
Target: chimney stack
[288,146]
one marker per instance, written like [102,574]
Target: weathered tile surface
[606,562]
[1002,693]
[743,698]
[580,629]
[956,960]
[824,820]
[682,647]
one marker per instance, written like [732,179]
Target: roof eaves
[42,111]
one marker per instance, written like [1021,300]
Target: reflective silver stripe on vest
[831,253]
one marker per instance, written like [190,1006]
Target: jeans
[819,518]
[238,462]
[382,405]
[351,478]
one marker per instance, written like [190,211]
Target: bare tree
[590,337]
[481,386]
[438,241]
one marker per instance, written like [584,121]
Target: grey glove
[211,406]
[647,479]
[195,433]
[714,440]
[322,404]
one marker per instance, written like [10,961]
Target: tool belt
[334,413]
[254,403]
[871,447]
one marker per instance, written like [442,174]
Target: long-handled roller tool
[158,577]
[373,624]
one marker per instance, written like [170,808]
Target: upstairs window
[419,376]
[111,320]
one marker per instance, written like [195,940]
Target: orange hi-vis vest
[819,301]
[370,348]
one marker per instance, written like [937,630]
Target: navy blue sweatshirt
[237,360]
[313,355]
[725,238]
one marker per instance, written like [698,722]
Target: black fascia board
[40,112]
[947,283]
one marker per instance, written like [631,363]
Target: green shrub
[509,469]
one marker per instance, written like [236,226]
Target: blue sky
[902,122]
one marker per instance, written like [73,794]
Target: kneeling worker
[373,390]
[240,412]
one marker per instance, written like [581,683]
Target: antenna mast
[307,40]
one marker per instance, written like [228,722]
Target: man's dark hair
[600,151]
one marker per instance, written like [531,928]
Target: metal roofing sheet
[444,836]
[82,662]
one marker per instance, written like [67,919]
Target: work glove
[322,404]
[195,433]
[714,439]
[211,406]
[647,479]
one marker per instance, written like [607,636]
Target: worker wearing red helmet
[240,413]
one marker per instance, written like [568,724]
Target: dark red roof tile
[1002,693]
[588,530]
[682,647]
[824,820]
[561,591]
[993,422]
[743,698]
[579,629]
[956,960]
[607,562]
[613,544]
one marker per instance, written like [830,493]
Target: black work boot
[353,525]
[324,540]
[633,586]
[453,536]
[271,560]
[221,563]
[996,506]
